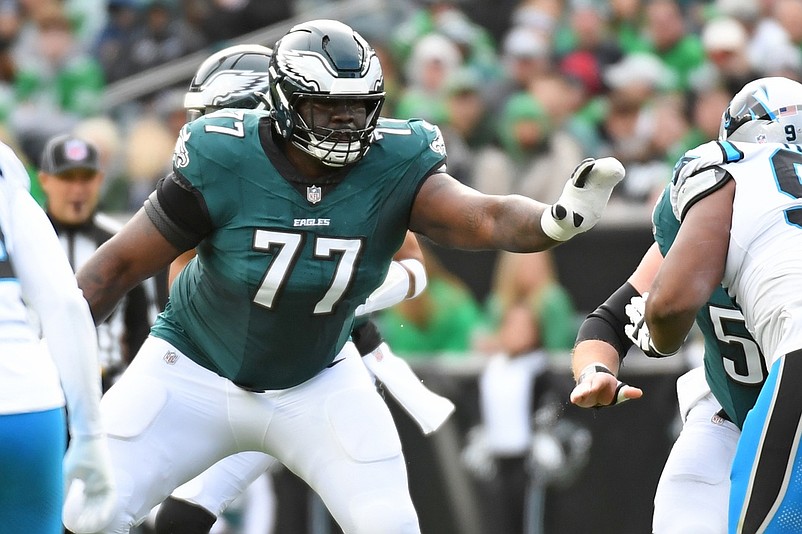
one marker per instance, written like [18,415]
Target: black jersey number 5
[743,361]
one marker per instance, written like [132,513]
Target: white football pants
[169,419]
[694,488]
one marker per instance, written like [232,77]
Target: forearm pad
[606,323]
[427,408]
[405,279]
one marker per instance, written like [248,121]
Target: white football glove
[637,331]
[706,155]
[697,159]
[87,469]
[583,199]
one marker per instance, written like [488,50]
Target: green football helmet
[235,77]
[319,66]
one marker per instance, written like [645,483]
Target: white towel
[427,408]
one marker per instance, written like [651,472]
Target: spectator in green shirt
[670,39]
[55,87]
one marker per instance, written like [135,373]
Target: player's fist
[637,331]
[704,156]
[583,199]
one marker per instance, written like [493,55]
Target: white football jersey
[764,261]
[28,377]
[34,272]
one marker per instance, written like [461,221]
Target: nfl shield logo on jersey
[170,357]
[314,194]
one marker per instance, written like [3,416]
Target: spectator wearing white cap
[639,74]
[727,62]
[631,128]
[446,17]
[434,60]
[526,56]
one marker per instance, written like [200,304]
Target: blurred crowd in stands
[521,89]
[643,80]
[57,57]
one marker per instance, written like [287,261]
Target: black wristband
[366,337]
[606,323]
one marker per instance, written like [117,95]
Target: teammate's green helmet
[235,77]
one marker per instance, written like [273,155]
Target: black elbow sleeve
[606,323]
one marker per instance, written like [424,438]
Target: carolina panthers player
[296,214]
[36,378]
[694,486]
[740,226]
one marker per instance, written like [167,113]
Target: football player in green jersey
[296,214]
[693,490]
[234,77]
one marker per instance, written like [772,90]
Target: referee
[71,178]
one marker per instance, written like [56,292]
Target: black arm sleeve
[137,325]
[179,211]
[606,323]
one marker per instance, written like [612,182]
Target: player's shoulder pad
[432,134]
[196,136]
[695,188]
[419,134]
[660,206]
[223,123]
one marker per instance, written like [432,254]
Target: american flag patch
[787,110]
